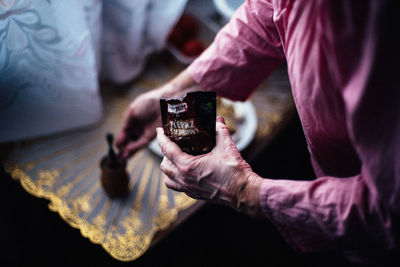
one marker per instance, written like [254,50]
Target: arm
[355,212]
[239,59]
[243,53]
[328,213]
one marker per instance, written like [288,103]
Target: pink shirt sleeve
[355,213]
[327,213]
[360,60]
[243,53]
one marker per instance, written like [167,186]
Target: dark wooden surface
[32,235]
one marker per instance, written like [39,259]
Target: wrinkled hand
[143,116]
[141,121]
[220,176]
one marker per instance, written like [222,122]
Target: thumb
[222,132]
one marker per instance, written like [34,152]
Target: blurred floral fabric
[53,52]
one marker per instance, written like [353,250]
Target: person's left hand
[221,175]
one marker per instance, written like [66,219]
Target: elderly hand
[141,120]
[221,176]
[144,116]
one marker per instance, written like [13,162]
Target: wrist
[246,189]
[251,195]
[180,85]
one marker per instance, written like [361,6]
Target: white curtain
[53,52]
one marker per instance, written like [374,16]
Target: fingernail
[220,119]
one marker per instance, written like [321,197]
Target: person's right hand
[141,121]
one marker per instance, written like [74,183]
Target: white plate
[245,131]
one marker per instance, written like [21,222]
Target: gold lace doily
[65,170]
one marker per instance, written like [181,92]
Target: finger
[171,171]
[133,146]
[124,137]
[172,184]
[121,140]
[171,150]
[169,168]
[223,137]
[220,119]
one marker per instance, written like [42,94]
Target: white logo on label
[178,108]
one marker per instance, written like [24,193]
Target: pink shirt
[341,64]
